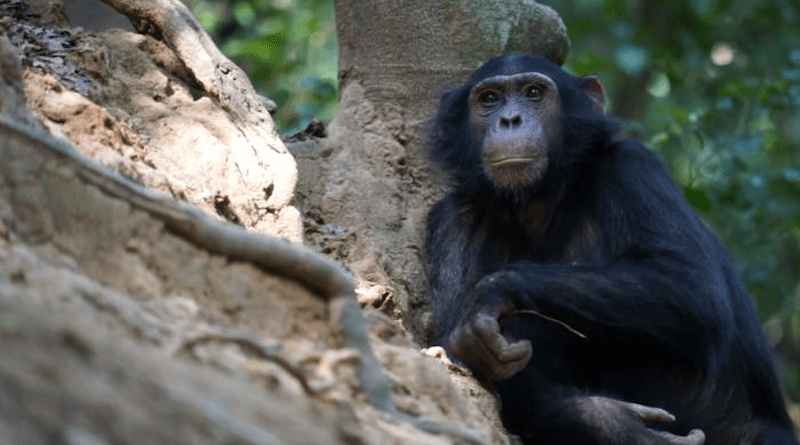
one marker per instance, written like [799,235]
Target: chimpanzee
[565,267]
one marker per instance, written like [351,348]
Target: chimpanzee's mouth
[512,162]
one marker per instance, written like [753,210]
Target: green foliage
[713,87]
[287,47]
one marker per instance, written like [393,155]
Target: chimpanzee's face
[516,123]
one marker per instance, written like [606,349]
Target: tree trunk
[408,52]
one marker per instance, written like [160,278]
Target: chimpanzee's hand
[649,414]
[612,419]
[478,343]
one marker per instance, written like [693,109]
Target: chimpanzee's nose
[510,122]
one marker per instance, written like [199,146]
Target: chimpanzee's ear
[594,89]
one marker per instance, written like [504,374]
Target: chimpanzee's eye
[489,98]
[534,92]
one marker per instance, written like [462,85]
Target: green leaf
[697,198]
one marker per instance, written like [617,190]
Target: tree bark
[408,52]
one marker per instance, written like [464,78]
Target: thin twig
[553,320]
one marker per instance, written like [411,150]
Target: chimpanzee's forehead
[513,81]
[510,64]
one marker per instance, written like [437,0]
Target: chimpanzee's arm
[451,267]
[656,301]
[670,302]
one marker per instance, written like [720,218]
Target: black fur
[605,244]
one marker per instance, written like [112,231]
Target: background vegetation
[287,47]
[712,86]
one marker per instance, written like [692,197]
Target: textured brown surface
[126,317]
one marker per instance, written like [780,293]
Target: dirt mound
[127,316]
